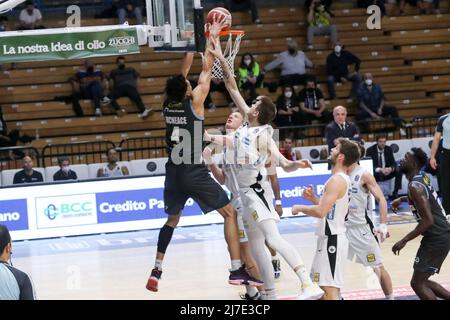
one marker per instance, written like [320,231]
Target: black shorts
[429,257]
[192,181]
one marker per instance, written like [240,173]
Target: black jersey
[184,132]
[440,230]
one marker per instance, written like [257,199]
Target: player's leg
[438,290]
[275,262]
[287,251]
[385,281]
[419,283]
[331,293]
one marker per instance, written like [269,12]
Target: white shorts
[258,206]
[363,244]
[329,261]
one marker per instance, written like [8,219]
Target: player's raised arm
[331,194]
[230,82]
[212,166]
[186,63]
[375,190]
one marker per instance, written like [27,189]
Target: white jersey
[250,162]
[334,222]
[360,205]
[115,172]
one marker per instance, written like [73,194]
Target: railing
[424,126]
[142,148]
[78,152]
[11,157]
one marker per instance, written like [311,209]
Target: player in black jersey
[186,174]
[432,225]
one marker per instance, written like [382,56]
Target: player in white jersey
[254,147]
[332,245]
[361,234]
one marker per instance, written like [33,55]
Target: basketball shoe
[152,283]
[240,277]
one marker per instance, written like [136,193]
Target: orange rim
[228,32]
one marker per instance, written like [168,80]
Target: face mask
[292,51]
[247,62]
[337,49]
[90,69]
[288,94]
[65,169]
[368,82]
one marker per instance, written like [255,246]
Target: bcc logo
[52,211]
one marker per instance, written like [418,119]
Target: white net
[231,49]
[7,5]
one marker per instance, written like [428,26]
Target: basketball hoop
[230,52]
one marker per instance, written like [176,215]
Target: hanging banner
[75,45]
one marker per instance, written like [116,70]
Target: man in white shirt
[30,17]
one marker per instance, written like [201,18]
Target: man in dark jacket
[340,128]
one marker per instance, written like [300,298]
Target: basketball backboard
[177,25]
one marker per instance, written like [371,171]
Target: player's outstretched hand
[297,209]
[304,163]
[395,204]
[398,246]
[216,26]
[216,49]
[382,232]
[207,155]
[308,194]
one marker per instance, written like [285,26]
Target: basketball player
[432,225]
[254,147]
[332,208]
[186,174]
[361,234]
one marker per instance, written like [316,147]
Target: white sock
[390,297]
[251,291]
[235,265]
[158,264]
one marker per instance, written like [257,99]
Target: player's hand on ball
[398,246]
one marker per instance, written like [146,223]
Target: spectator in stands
[288,152]
[384,165]
[288,108]
[367,3]
[127,8]
[250,76]
[28,175]
[13,137]
[323,154]
[30,17]
[64,173]
[342,66]
[312,104]
[3,23]
[14,284]
[89,84]
[112,168]
[243,5]
[319,24]
[219,86]
[293,64]
[371,104]
[414,3]
[340,127]
[436,4]
[326,3]
[124,83]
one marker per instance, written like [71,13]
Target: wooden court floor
[107,267]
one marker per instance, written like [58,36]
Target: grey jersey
[360,205]
[15,284]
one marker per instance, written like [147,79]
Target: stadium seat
[8,175]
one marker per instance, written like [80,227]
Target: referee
[14,284]
[443,130]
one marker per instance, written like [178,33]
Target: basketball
[220,14]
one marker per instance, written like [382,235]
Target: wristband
[278,202]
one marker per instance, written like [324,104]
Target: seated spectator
[219,86]
[30,17]
[112,168]
[129,8]
[367,3]
[414,3]
[250,76]
[125,84]
[292,63]
[340,127]
[312,104]
[288,108]
[384,165]
[89,84]
[288,152]
[243,5]
[64,173]
[13,137]
[371,104]
[326,3]
[28,175]
[319,24]
[342,66]
[14,284]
